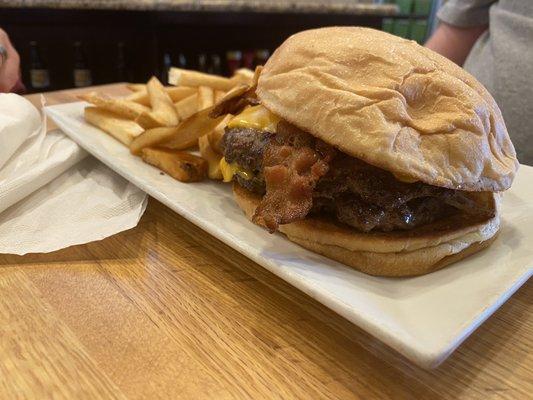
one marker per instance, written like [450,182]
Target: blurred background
[76,43]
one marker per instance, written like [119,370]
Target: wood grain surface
[165,311]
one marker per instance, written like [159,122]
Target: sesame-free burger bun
[393,104]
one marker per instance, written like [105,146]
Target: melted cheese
[230,170]
[260,118]
[256,117]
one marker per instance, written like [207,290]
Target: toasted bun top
[393,104]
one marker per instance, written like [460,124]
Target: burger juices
[371,150]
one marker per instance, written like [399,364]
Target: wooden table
[166,311]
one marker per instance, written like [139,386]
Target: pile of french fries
[164,124]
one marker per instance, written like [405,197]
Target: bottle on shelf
[121,68]
[81,74]
[202,62]
[248,59]
[167,63]
[233,60]
[39,74]
[182,61]
[261,57]
[216,65]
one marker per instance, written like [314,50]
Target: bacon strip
[293,164]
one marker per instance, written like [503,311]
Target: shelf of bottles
[215,63]
[413,21]
[41,78]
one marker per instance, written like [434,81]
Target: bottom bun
[399,253]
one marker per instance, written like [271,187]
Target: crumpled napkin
[18,121]
[52,194]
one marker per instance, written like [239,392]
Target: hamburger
[369,149]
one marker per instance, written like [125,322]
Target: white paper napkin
[41,158]
[52,195]
[86,203]
[18,121]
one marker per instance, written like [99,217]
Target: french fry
[238,97]
[206,97]
[124,130]
[148,120]
[243,76]
[136,87]
[153,137]
[185,77]
[212,158]
[187,107]
[191,129]
[180,165]
[176,93]
[162,106]
[140,96]
[122,107]
[215,136]
[232,101]
[257,73]
[219,95]
[237,91]
[179,93]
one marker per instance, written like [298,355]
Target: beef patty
[304,176]
[246,147]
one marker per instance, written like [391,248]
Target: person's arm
[461,23]
[454,42]
[10,69]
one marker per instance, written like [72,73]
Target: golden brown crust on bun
[418,262]
[392,103]
[399,253]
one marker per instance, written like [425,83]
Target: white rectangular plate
[424,318]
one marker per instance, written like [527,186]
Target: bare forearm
[453,42]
